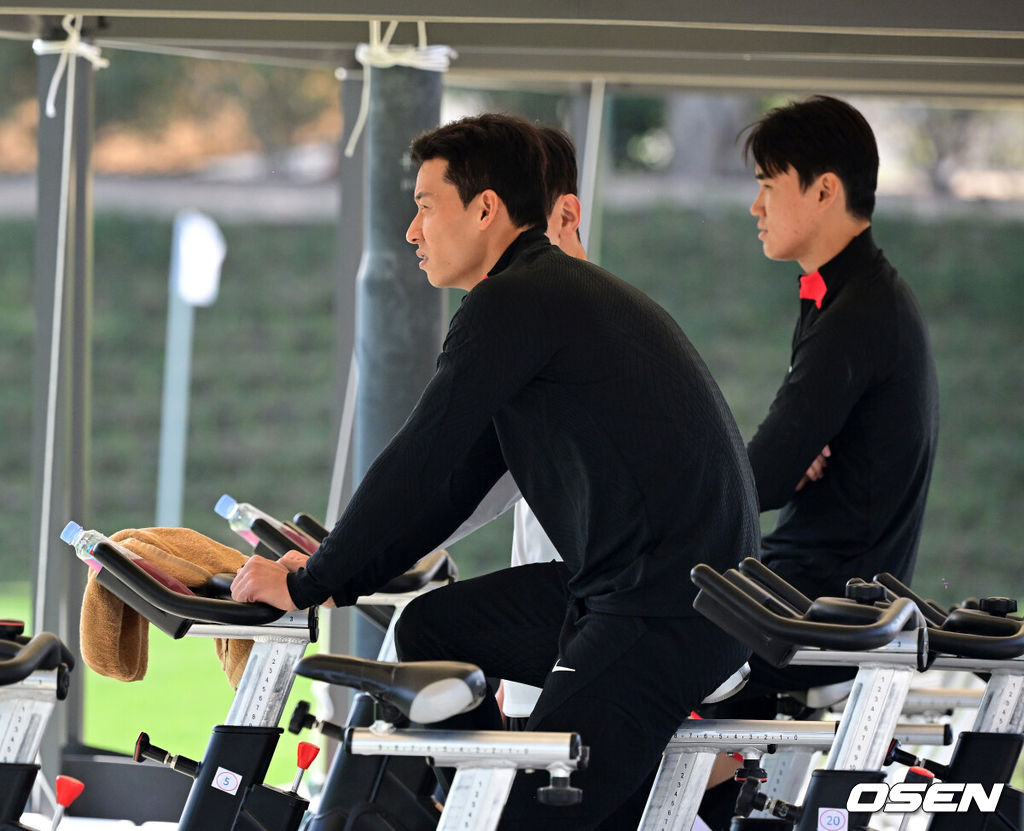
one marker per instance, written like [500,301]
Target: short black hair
[815,136]
[561,163]
[496,151]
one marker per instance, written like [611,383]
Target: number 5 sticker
[226,780]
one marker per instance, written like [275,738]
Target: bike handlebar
[965,632]
[898,589]
[758,571]
[771,629]
[191,608]
[754,605]
[44,651]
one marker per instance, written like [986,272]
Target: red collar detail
[812,287]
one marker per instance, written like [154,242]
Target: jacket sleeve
[831,369]
[442,462]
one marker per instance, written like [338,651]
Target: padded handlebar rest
[423,691]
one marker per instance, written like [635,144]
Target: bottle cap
[225,505]
[71,532]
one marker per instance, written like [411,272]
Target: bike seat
[423,691]
[730,686]
[520,699]
[820,698]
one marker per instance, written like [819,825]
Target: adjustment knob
[865,592]
[1000,606]
[559,792]
[301,719]
[752,771]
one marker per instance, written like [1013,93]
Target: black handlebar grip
[206,609]
[44,651]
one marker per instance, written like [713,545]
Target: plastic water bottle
[83,542]
[241,515]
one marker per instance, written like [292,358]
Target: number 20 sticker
[226,780]
[833,819]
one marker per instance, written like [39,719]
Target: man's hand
[817,468]
[262,580]
[294,560]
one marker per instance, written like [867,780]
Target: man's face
[787,216]
[445,232]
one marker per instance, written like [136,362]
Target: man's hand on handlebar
[294,560]
[263,580]
[291,561]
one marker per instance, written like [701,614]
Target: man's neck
[832,241]
[497,244]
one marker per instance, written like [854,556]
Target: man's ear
[488,205]
[829,188]
[570,211]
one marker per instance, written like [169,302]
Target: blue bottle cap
[71,532]
[225,505]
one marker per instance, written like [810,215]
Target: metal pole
[399,316]
[81,377]
[197,251]
[170,487]
[339,626]
[590,224]
[350,252]
[61,368]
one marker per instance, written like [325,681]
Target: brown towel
[115,638]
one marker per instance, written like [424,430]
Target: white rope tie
[381,54]
[72,46]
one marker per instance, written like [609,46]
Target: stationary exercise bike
[228,790]
[826,633]
[34,675]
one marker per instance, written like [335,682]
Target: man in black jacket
[591,396]
[847,447]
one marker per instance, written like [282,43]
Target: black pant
[623,683]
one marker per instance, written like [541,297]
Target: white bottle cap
[71,532]
[225,505]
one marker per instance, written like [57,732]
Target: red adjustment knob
[307,753]
[68,790]
[919,774]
